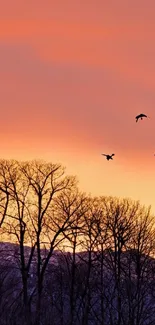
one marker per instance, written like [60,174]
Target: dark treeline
[75,259]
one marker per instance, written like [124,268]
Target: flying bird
[140,116]
[108,157]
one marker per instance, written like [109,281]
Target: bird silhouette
[140,116]
[108,157]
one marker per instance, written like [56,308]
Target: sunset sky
[74,74]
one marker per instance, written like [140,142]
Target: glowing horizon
[73,81]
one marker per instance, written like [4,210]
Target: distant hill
[90,285]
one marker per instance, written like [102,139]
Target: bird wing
[103,154]
[140,115]
[113,154]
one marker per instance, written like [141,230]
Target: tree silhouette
[75,259]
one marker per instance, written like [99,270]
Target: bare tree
[17,222]
[48,184]
[141,249]
[4,191]
[88,245]
[74,205]
[119,219]
[108,276]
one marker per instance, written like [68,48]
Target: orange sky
[73,77]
